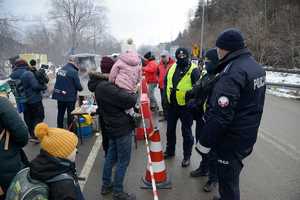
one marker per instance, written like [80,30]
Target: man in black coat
[118,127]
[235,111]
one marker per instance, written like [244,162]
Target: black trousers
[209,161]
[163,103]
[33,114]
[105,139]
[186,118]
[62,108]
[229,178]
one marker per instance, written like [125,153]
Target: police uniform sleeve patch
[223,101]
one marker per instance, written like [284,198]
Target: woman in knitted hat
[13,137]
[57,156]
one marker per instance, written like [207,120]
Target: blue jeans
[119,153]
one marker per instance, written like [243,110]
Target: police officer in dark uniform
[180,78]
[235,111]
[198,98]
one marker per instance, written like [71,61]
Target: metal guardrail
[282,70]
[286,85]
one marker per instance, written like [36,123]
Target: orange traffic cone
[145,106]
[158,164]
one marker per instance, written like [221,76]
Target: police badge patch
[223,102]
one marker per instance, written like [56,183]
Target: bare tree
[77,14]
[271,27]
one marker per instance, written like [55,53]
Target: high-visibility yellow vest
[184,85]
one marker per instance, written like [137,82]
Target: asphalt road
[272,172]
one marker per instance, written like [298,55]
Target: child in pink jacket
[126,73]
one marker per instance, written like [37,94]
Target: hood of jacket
[95,78]
[130,58]
[18,71]
[45,167]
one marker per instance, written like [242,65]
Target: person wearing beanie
[234,111]
[229,41]
[117,126]
[106,64]
[165,64]
[150,71]
[19,67]
[197,98]
[65,91]
[57,156]
[126,73]
[128,45]
[14,136]
[179,80]
[32,104]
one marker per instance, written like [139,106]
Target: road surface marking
[284,147]
[89,163]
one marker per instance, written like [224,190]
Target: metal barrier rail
[287,85]
[282,70]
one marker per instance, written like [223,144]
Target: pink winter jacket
[126,72]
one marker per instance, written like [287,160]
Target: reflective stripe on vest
[184,85]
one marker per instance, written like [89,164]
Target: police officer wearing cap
[235,110]
[180,78]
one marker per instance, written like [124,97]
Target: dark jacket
[11,159]
[17,86]
[112,102]
[197,98]
[67,84]
[32,87]
[235,106]
[45,167]
[18,71]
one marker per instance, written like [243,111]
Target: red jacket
[151,72]
[162,70]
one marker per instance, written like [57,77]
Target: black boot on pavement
[210,186]
[168,155]
[216,198]
[199,172]
[106,189]
[123,196]
[185,162]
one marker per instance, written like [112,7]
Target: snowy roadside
[286,78]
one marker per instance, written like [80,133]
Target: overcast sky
[146,21]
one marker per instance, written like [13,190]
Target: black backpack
[41,76]
[18,90]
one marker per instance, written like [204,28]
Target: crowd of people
[225,98]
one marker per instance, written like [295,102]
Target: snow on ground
[278,77]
